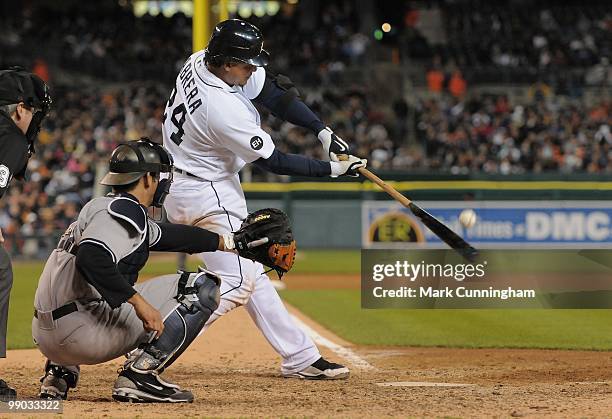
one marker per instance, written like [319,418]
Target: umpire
[24,103]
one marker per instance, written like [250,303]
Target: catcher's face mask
[166,167]
[40,109]
[163,187]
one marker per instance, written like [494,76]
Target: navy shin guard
[198,298]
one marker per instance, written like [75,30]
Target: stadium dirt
[233,372]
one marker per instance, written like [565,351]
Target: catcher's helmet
[131,161]
[238,40]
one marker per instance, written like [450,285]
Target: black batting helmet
[237,40]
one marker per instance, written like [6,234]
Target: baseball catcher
[88,309]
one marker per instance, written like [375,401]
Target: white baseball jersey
[212,129]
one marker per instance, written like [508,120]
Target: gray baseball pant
[6,283]
[96,333]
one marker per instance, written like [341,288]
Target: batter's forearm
[294,165]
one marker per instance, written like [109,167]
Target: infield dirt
[233,372]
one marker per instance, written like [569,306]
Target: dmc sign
[593,226]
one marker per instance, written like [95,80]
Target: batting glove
[332,144]
[347,167]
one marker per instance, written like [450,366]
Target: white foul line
[422,384]
[339,350]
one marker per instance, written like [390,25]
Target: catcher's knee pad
[201,290]
[198,297]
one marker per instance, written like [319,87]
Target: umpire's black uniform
[17,87]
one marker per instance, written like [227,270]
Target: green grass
[327,261]
[26,276]
[340,311]
[21,304]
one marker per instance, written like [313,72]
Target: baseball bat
[447,235]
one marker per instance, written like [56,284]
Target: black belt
[185,172]
[64,310]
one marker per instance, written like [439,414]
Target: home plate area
[231,370]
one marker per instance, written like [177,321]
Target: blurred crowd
[453,131]
[567,43]
[117,46]
[478,134]
[109,43]
[318,49]
[72,149]
[519,42]
[491,135]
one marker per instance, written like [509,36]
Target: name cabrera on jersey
[211,129]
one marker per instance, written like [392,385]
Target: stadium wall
[574,212]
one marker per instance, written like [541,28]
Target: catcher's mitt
[265,236]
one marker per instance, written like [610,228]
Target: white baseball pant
[220,206]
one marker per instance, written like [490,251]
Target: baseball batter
[87,308]
[212,129]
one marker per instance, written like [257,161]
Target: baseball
[467,218]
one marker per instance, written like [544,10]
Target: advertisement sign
[499,224]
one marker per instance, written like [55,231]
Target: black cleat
[7,392]
[135,387]
[53,387]
[321,370]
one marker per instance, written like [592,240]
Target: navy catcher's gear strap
[68,374]
[130,212]
[198,297]
[281,97]
[293,164]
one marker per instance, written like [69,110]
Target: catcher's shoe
[135,387]
[53,387]
[322,370]
[7,392]
[56,382]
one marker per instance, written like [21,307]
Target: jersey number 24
[179,113]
